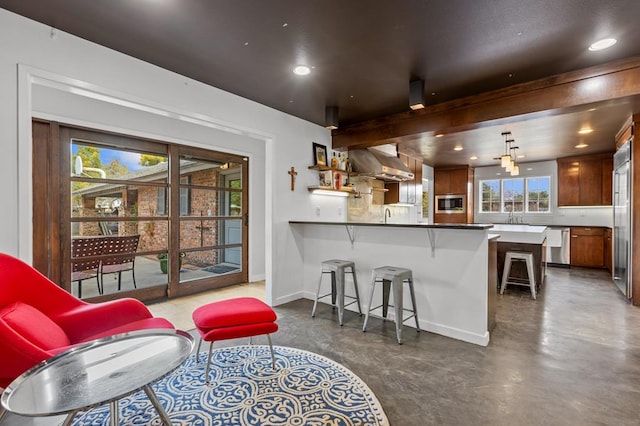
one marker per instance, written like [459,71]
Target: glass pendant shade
[509,166]
[505,161]
[515,170]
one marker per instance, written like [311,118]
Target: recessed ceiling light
[582,145]
[301,70]
[521,156]
[529,168]
[473,157]
[602,44]
[585,131]
[458,148]
[439,135]
[498,174]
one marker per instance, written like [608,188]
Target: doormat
[221,269]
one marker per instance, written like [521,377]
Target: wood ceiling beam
[548,96]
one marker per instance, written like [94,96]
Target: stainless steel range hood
[372,162]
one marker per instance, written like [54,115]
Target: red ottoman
[232,319]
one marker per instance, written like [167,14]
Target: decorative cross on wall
[293,174]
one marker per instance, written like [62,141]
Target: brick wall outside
[154,234]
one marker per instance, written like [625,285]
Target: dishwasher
[558,246]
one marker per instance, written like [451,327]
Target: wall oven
[451,203]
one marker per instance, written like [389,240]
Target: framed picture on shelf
[319,154]
[326,179]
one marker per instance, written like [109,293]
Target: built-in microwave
[452,203]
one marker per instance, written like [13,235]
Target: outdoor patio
[148,273]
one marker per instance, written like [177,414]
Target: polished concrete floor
[571,357]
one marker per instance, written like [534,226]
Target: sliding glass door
[137,217]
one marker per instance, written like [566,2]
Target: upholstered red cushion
[143,324]
[237,332]
[34,326]
[233,312]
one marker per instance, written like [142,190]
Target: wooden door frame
[52,217]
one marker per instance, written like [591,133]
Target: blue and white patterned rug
[305,389]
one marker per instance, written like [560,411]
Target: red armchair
[38,319]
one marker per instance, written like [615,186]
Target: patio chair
[84,269]
[119,255]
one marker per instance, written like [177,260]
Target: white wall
[65,77]
[591,216]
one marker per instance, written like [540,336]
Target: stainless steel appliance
[622,202]
[379,165]
[451,203]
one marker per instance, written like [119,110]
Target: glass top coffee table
[98,372]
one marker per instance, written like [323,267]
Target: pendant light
[515,169]
[505,160]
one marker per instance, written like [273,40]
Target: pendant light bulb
[509,166]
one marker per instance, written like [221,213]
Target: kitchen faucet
[387,213]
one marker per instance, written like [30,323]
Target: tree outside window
[538,194]
[512,195]
[508,195]
[490,196]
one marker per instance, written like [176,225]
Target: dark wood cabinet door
[585,180]
[458,181]
[590,193]
[441,182]
[587,247]
[568,183]
[449,218]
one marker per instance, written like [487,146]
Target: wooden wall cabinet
[451,180]
[585,180]
[408,192]
[587,247]
[454,180]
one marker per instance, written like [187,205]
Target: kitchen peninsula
[450,265]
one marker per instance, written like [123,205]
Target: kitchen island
[450,265]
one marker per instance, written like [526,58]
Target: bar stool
[337,269]
[519,256]
[392,276]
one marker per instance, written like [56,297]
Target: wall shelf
[325,190]
[322,168]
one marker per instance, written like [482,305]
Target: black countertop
[474,226]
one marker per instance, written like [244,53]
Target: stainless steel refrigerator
[622,202]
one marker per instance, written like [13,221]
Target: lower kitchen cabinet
[587,247]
